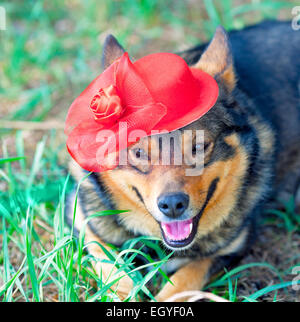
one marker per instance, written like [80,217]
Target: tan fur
[217,60]
[138,219]
[236,244]
[231,174]
[190,277]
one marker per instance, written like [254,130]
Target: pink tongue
[177,230]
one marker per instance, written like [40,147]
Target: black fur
[264,105]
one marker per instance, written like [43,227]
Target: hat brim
[208,95]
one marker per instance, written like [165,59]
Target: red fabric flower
[106,106]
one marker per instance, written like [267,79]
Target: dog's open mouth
[178,234]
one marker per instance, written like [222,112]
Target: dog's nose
[173,205]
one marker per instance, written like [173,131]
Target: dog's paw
[123,285]
[167,292]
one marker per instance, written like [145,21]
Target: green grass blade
[269,289]
[30,262]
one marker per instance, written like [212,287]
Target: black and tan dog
[252,154]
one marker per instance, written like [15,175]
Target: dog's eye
[139,153]
[200,147]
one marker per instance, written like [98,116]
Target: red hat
[158,92]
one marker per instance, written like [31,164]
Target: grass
[50,252]
[49,53]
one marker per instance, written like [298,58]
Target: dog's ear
[217,59]
[111,51]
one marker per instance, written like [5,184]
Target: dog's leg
[194,275]
[107,271]
[188,278]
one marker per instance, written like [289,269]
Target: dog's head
[165,201]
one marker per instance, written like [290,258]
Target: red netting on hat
[94,146]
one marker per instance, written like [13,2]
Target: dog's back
[267,65]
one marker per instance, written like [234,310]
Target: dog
[251,156]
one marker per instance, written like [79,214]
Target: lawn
[49,52]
